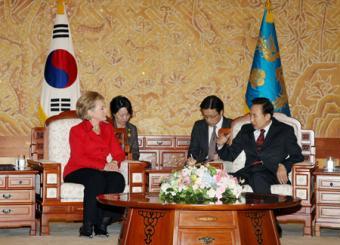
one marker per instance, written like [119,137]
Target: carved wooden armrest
[302,182]
[137,177]
[49,179]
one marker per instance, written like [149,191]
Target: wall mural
[167,55]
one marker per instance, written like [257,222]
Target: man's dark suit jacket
[280,146]
[199,145]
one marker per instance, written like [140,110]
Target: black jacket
[280,146]
[199,145]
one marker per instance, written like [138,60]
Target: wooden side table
[17,199]
[327,185]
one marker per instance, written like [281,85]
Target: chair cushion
[274,189]
[238,163]
[71,192]
[247,188]
[232,167]
[282,189]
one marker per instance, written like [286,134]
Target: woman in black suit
[121,112]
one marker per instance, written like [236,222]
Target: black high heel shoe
[86,230]
[102,228]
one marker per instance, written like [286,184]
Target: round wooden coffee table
[150,221]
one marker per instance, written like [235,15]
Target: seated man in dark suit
[204,133]
[270,146]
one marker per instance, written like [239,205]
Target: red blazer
[89,150]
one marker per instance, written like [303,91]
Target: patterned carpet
[67,234]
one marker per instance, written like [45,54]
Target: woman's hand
[111,166]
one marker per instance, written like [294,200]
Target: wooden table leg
[154,227]
[258,227]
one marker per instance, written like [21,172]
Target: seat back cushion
[58,140]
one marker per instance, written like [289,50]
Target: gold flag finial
[269,18]
[60,7]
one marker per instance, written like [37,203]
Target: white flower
[201,171]
[195,187]
[200,180]
[165,186]
[211,193]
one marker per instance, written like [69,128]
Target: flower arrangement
[201,184]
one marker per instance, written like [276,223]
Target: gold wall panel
[167,55]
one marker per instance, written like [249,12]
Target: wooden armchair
[300,176]
[63,201]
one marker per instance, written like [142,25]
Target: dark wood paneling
[326,147]
[12,146]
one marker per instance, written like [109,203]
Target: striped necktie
[260,140]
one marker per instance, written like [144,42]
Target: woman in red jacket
[94,162]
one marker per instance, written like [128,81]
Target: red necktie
[260,140]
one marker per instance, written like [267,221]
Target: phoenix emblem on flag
[268,49]
[257,77]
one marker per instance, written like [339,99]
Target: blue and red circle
[60,69]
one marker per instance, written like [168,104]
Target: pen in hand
[191,161]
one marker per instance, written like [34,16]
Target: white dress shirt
[258,131]
[211,129]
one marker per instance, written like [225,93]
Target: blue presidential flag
[266,77]
[60,85]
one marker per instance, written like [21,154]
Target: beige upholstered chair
[57,200]
[300,176]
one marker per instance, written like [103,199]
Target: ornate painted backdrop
[167,55]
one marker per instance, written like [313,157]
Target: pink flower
[186,180]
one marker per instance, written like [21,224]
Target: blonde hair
[87,102]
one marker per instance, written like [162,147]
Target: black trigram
[60,30]
[60,104]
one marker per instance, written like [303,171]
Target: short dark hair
[212,102]
[267,106]
[119,102]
